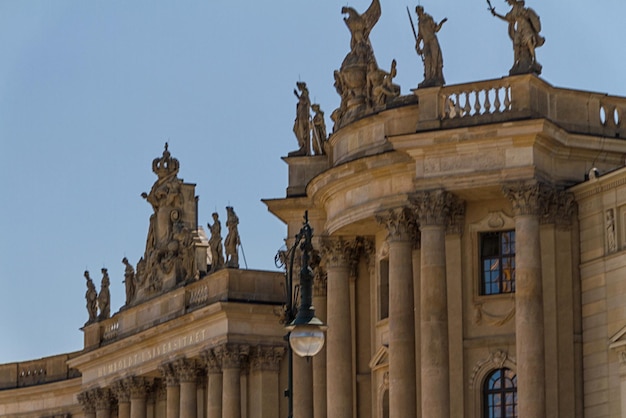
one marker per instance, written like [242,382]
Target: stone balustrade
[36,372]
[227,285]
[520,97]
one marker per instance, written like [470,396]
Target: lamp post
[305,332]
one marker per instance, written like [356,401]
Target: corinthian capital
[437,207]
[87,401]
[103,398]
[212,361]
[398,222]
[560,209]
[335,251]
[139,387]
[121,390]
[186,370]
[527,199]
[232,356]
[266,358]
[169,374]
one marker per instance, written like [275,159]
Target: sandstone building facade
[469,262]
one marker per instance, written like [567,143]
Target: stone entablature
[222,286]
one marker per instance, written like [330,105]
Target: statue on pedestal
[319,130]
[351,81]
[301,126]
[92,299]
[104,297]
[524,28]
[215,243]
[232,238]
[129,281]
[427,46]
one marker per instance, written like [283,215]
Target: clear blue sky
[91,90]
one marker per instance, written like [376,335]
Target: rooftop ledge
[520,97]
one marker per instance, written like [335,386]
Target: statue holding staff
[524,28]
[427,46]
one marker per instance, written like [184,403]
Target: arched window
[500,394]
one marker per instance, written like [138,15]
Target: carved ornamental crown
[166,165]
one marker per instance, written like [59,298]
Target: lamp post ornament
[305,332]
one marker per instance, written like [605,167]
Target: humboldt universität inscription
[150,354]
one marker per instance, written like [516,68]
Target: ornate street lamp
[305,332]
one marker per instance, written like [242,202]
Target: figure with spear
[427,46]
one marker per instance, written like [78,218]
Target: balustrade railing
[197,296]
[476,100]
[111,330]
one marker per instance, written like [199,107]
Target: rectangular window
[497,255]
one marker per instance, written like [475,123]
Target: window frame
[502,258]
[488,391]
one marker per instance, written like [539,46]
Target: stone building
[470,263]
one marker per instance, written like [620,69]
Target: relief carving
[611,236]
[497,359]
[482,316]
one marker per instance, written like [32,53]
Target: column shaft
[338,347]
[188,400]
[434,324]
[401,330]
[138,408]
[173,401]
[303,387]
[529,325]
[319,363]
[231,396]
[214,395]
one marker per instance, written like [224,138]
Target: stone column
[232,356]
[139,389]
[103,398]
[88,402]
[121,390]
[320,280]
[433,211]
[339,338]
[264,385]
[172,391]
[527,202]
[187,371]
[401,314]
[214,383]
[160,403]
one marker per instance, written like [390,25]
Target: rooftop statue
[232,241]
[92,299]
[380,87]
[129,281]
[104,297]
[351,81]
[360,26]
[301,126]
[215,243]
[319,130]
[524,28]
[427,46]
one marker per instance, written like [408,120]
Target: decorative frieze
[266,358]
